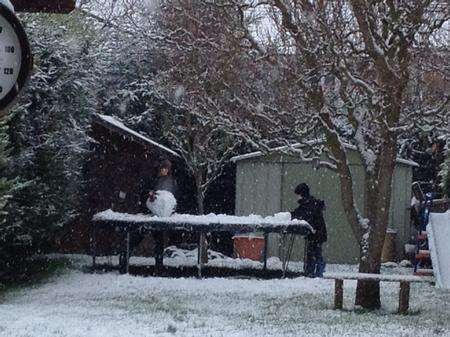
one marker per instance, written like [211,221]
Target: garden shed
[265,185]
[120,168]
[122,163]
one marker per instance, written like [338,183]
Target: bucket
[389,253]
[248,247]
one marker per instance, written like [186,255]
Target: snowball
[164,204]
[286,216]
[389,264]
[405,264]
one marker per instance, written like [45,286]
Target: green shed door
[399,219]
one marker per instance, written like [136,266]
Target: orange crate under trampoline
[248,247]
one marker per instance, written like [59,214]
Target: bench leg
[403,301]
[338,293]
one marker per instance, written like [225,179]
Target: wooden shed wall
[118,164]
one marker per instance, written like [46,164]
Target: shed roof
[257,154]
[115,125]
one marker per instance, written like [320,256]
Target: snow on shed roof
[114,124]
[257,154]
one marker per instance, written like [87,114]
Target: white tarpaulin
[439,241]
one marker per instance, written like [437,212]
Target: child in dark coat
[311,209]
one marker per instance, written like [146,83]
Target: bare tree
[200,58]
[340,71]
[348,63]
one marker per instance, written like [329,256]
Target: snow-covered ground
[109,304]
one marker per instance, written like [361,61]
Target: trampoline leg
[305,256]
[266,237]
[127,258]
[93,245]
[285,257]
[201,247]
[159,251]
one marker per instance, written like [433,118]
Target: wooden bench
[404,280]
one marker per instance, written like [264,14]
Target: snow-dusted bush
[47,139]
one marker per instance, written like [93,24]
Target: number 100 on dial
[15,57]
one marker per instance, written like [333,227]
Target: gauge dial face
[16,59]
[10,57]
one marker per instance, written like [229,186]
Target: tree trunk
[378,201]
[368,292]
[200,201]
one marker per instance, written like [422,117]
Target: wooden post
[403,301]
[338,293]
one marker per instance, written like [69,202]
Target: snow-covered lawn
[109,304]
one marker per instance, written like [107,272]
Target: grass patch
[31,273]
